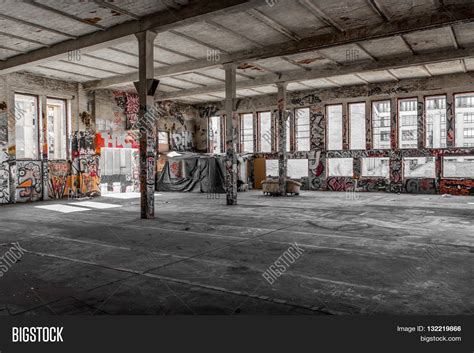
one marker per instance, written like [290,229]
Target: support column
[282,117]
[44,144]
[146,87]
[231,129]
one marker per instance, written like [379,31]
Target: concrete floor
[378,254]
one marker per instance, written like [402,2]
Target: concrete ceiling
[188,57]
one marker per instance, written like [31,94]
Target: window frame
[67,119]
[399,121]
[241,142]
[39,154]
[372,124]
[364,103]
[259,132]
[295,124]
[327,126]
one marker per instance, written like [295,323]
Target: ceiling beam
[110,61]
[116,9]
[159,22]
[65,71]
[35,25]
[359,67]
[222,28]
[407,45]
[89,67]
[319,14]
[378,10]
[453,37]
[11,49]
[198,41]
[384,30]
[271,23]
[24,39]
[63,14]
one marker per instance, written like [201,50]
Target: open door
[259,171]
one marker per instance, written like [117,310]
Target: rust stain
[307,61]
[115,13]
[245,66]
[93,20]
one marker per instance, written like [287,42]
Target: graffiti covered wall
[58,178]
[29,185]
[4,178]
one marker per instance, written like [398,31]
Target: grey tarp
[202,174]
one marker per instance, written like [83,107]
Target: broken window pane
[246,133]
[375,167]
[458,167]
[419,167]
[334,130]
[464,123]
[357,126]
[340,167]
[26,126]
[302,129]
[408,123]
[215,137]
[435,121]
[297,168]
[381,124]
[265,131]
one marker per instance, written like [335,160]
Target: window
[468,132]
[458,167]
[288,133]
[334,118]
[435,122]
[357,126]
[302,129]
[163,141]
[271,166]
[375,167]
[464,109]
[57,128]
[419,167]
[468,117]
[26,126]
[246,133]
[381,124]
[407,123]
[297,168]
[265,131]
[340,167]
[215,134]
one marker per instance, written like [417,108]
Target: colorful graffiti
[340,183]
[207,111]
[4,178]
[182,141]
[176,169]
[420,186]
[3,125]
[29,184]
[58,172]
[85,170]
[129,104]
[457,187]
[372,184]
[129,139]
